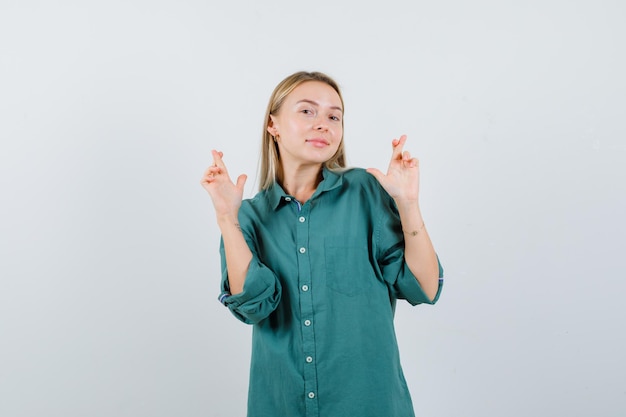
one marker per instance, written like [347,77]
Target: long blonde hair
[271,168]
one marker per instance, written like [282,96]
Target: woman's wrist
[410,216]
[413,232]
[226,221]
[408,204]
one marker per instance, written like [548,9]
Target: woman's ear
[271,128]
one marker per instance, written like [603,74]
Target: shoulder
[359,178]
[357,185]
[252,212]
[255,208]
[259,201]
[355,175]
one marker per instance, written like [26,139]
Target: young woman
[317,259]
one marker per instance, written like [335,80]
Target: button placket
[306,307]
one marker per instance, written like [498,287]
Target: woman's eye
[307,111]
[335,118]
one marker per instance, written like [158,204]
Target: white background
[109,248]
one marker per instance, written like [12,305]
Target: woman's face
[309,126]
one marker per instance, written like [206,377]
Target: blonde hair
[271,168]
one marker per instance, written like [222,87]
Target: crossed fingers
[217,168]
[403,156]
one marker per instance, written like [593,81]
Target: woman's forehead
[316,92]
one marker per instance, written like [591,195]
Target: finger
[207,171]
[207,179]
[241,181]
[413,163]
[398,146]
[217,159]
[212,170]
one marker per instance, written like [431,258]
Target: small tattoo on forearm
[237,226]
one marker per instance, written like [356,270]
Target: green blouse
[321,292]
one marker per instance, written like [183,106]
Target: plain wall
[109,265]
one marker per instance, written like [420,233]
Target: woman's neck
[301,182]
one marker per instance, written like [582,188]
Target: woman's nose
[320,124]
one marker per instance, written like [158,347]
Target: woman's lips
[318,143]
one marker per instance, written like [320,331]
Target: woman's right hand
[225,194]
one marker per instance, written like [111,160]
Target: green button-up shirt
[321,292]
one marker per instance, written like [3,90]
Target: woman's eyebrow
[306,100]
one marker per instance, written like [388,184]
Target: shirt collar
[331,180]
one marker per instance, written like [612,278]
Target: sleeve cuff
[260,295]
[223,296]
[412,291]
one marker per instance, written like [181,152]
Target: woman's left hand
[402,178]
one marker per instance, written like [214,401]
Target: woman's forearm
[419,252]
[237,252]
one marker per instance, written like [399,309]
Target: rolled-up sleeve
[260,296]
[408,288]
[395,271]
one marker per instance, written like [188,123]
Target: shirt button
[305,288]
[311,395]
[302,250]
[301,219]
[309,359]
[307,322]
[287,198]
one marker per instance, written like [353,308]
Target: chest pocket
[348,269]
